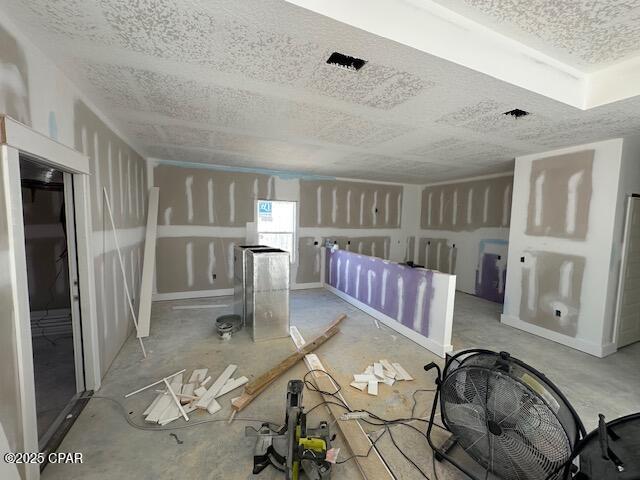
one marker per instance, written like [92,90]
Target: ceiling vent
[345,61]
[516,113]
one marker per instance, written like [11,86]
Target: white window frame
[294,241]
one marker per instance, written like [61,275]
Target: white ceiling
[245,83]
[587,34]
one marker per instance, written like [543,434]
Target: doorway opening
[56,335]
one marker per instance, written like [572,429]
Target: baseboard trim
[594,349]
[222,292]
[429,344]
[306,286]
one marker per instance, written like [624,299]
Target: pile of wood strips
[379,372]
[179,398]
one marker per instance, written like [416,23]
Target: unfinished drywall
[464,227]
[35,92]
[559,195]
[330,203]
[559,279]
[14,78]
[467,205]
[198,263]
[202,208]
[551,289]
[419,300]
[309,251]
[117,168]
[400,292]
[191,196]
[437,254]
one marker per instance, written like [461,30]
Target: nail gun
[294,448]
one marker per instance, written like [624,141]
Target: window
[276,225]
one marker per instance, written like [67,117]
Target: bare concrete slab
[185,339]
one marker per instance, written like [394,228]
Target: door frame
[17,138]
[623,260]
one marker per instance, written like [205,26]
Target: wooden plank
[160,407]
[153,384]
[390,371]
[153,404]
[188,408]
[122,270]
[372,387]
[198,375]
[360,386]
[200,391]
[170,388]
[365,378]
[294,358]
[231,385]
[246,398]
[378,371]
[148,264]
[296,336]
[372,467]
[209,397]
[402,373]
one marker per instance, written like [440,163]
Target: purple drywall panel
[488,286]
[398,291]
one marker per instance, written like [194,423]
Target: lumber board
[148,264]
[159,408]
[372,467]
[153,384]
[198,375]
[402,373]
[294,358]
[153,404]
[231,385]
[213,390]
[134,315]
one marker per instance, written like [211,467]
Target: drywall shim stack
[379,372]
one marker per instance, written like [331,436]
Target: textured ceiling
[588,34]
[245,83]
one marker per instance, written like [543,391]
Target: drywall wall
[562,244]
[464,230]
[204,211]
[35,92]
[411,300]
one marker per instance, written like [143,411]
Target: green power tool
[294,448]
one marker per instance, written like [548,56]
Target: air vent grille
[346,62]
[516,113]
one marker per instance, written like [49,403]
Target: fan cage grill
[506,416]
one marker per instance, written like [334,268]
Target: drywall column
[560,244]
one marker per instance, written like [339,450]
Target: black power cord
[377,420]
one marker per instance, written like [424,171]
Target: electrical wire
[376,420]
[178,427]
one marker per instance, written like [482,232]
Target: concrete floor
[185,339]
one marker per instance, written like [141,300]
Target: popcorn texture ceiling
[588,34]
[245,83]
